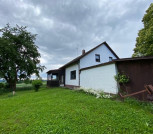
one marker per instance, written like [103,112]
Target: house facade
[96,69]
[81,71]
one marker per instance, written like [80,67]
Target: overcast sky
[65,27]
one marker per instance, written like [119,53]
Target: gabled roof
[79,57]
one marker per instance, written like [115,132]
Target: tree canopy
[19,56]
[144,41]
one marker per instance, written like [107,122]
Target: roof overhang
[53,71]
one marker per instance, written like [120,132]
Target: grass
[63,111]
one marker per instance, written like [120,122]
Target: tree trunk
[13,86]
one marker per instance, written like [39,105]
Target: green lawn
[63,111]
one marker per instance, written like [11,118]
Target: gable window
[97,57]
[110,58]
[73,75]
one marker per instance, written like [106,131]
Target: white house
[94,69]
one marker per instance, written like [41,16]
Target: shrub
[121,78]
[2,85]
[3,88]
[36,84]
[7,86]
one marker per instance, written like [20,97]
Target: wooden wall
[140,73]
[52,83]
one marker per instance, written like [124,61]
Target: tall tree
[19,56]
[144,41]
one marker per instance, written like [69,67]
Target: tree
[19,56]
[144,41]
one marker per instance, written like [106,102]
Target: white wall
[100,78]
[68,80]
[89,59]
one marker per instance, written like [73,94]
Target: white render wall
[89,59]
[100,78]
[68,80]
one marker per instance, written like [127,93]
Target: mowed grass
[63,111]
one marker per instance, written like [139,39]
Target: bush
[1,88]
[2,85]
[7,86]
[4,88]
[121,78]
[36,84]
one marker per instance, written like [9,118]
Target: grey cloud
[67,26]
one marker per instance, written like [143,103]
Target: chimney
[83,52]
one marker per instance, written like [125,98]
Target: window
[73,75]
[97,57]
[110,58]
[54,77]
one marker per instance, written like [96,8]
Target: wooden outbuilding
[140,72]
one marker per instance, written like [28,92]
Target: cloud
[65,27]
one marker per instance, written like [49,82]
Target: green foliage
[121,78]
[37,84]
[144,41]
[62,111]
[7,86]
[2,85]
[19,56]
[4,88]
[27,81]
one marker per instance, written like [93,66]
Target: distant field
[23,85]
[27,85]
[63,111]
